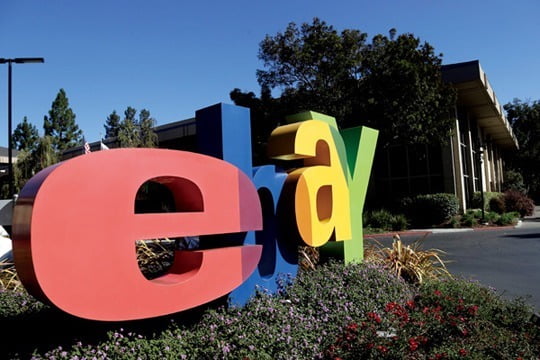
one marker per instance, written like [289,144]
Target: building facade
[471,161]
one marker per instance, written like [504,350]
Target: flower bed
[336,311]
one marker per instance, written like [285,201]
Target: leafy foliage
[519,202]
[384,220]
[132,132]
[513,180]
[25,136]
[446,320]
[488,196]
[430,209]
[525,120]
[112,125]
[402,92]
[60,125]
[359,311]
[393,84]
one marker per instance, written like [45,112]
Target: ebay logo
[75,225]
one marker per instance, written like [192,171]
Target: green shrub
[431,209]
[379,219]
[513,180]
[447,320]
[384,220]
[477,199]
[497,205]
[517,201]
[472,218]
[399,222]
[469,219]
[506,219]
[297,323]
[491,217]
[17,303]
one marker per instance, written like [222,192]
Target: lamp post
[10,146]
[481,158]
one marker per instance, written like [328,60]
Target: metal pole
[10,147]
[482,183]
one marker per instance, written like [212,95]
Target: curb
[424,232]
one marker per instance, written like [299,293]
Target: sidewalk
[527,222]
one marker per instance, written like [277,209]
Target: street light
[10,147]
[481,175]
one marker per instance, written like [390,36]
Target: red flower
[413,344]
[375,317]
[411,304]
[437,293]
[473,310]
[462,352]
[382,348]
[390,306]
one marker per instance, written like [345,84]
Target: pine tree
[148,138]
[128,133]
[112,125]
[25,136]
[60,125]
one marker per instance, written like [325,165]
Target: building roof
[477,96]
[4,155]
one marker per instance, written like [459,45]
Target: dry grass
[308,257]
[408,261]
[155,257]
[8,277]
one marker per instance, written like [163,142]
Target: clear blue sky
[174,57]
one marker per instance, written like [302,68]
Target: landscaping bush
[379,219]
[497,205]
[384,220]
[506,219]
[473,218]
[446,320]
[399,222]
[517,201]
[297,323]
[355,311]
[431,209]
[469,219]
[477,199]
[18,303]
[513,180]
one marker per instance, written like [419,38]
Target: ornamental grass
[409,262]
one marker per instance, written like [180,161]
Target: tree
[393,84]
[112,125]
[60,125]
[402,92]
[315,67]
[25,136]
[525,120]
[128,132]
[148,138]
[133,133]
[31,161]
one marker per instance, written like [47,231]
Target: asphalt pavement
[504,258]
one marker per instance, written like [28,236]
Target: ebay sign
[75,225]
